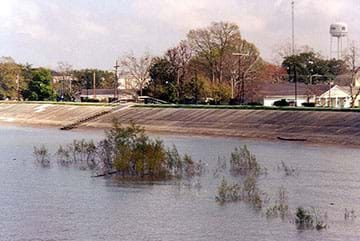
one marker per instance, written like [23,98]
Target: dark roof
[288,89]
[109,92]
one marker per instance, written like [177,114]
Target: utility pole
[116,82]
[18,86]
[94,84]
[293,44]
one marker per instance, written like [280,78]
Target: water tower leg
[331,47]
[341,48]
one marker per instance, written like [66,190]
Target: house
[339,97]
[286,91]
[107,95]
[126,82]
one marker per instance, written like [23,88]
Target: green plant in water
[243,162]
[309,219]
[228,192]
[281,206]
[42,156]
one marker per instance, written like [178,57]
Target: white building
[339,97]
[286,91]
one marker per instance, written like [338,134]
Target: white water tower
[338,31]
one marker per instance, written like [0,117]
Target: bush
[243,163]
[126,151]
[308,104]
[90,100]
[288,170]
[309,219]
[42,156]
[281,206]
[228,192]
[281,103]
[81,153]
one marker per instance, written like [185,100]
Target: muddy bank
[316,127]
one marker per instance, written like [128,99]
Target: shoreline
[329,128]
[190,133]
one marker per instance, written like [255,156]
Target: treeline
[24,82]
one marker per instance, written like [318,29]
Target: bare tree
[283,50]
[179,57]
[138,69]
[242,66]
[65,70]
[351,60]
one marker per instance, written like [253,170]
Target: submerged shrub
[243,162]
[309,219]
[81,153]
[220,167]
[126,151]
[228,192]
[281,206]
[63,157]
[42,156]
[288,170]
[349,214]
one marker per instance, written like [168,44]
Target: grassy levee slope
[315,126]
[46,114]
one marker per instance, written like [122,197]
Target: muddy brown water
[67,204]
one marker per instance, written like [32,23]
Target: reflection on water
[67,204]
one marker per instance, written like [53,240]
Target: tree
[138,69]
[242,66]
[351,59]
[312,68]
[211,46]
[179,58]
[66,72]
[163,78]
[40,86]
[271,73]
[11,79]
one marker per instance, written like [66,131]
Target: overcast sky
[93,33]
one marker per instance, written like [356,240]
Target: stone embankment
[47,114]
[314,126]
[317,127]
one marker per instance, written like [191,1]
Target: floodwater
[67,204]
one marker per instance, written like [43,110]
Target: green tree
[162,84]
[10,80]
[312,68]
[85,78]
[40,86]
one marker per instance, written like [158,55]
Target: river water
[67,204]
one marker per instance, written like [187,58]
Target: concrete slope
[46,114]
[324,127]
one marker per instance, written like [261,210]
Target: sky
[94,33]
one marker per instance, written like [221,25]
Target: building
[107,95]
[286,91]
[339,97]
